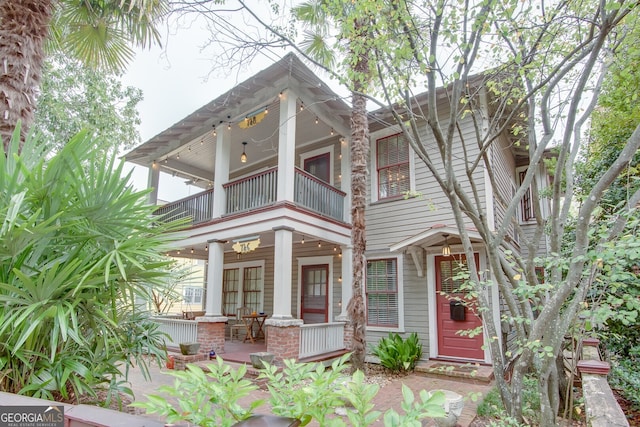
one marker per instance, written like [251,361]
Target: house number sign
[245,246]
[253,119]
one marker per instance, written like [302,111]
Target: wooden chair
[239,324]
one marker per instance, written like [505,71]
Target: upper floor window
[392,166]
[382,293]
[526,203]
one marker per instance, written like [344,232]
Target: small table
[254,319]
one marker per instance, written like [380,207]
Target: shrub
[625,377]
[304,391]
[397,354]
[77,247]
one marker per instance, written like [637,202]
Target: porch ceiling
[187,148]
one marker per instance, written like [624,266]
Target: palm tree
[318,16]
[98,32]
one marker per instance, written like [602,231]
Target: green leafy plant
[303,391]
[398,354]
[205,399]
[78,246]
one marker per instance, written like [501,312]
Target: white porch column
[213,304]
[153,181]
[283,256]
[347,280]
[287,146]
[223,152]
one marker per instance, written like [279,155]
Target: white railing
[320,338]
[252,192]
[318,196]
[179,330]
[199,208]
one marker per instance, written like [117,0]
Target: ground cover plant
[398,354]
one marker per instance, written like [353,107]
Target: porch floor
[238,351]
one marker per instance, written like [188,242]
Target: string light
[302,241]
[229,126]
[266,110]
[316,120]
[301,106]
[178,156]
[331,131]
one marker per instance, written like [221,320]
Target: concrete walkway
[389,395]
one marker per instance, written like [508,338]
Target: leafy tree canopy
[76,97]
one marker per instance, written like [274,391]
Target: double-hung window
[192,295]
[392,166]
[382,293]
[527,212]
[242,286]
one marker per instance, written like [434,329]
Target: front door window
[315,284]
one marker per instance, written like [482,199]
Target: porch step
[326,358]
[471,372]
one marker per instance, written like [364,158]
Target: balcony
[257,191]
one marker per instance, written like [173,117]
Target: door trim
[316,260]
[432,304]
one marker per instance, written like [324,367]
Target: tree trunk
[23,29]
[359,157]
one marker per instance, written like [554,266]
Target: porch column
[283,255]
[347,281]
[221,174]
[287,146]
[213,303]
[153,181]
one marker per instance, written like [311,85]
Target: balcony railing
[198,207]
[252,192]
[318,196]
[257,191]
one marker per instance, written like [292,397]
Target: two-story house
[272,221]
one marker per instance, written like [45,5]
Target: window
[526,205]
[242,286]
[382,293]
[230,282]
[192,295]
[392,165]
[319,166]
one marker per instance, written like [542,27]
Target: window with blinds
[382,293]
[392,162]
[449,275]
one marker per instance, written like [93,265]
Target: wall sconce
[446,250]
[243,157]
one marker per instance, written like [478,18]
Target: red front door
[315,295]
[451,319]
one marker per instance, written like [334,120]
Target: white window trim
[517,181]
[316,260]
[193,288]
[375,136]
[318,152]
[400,268]
[241,266]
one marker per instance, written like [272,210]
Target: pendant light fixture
[243,157]
[446,250]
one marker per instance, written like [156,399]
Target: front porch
[291,339]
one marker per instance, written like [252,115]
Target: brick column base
[211,334]
[283,338]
